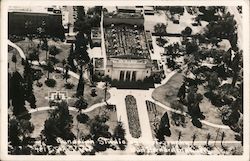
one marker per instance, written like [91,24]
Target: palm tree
[223,135]
[194,136]
[106,87]
[179,135]
[64,63]
[45,47]
[49,67]
[208,138]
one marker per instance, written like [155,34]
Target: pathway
[118,98]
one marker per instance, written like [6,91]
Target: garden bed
[133,117]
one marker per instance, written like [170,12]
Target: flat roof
[126,42]
[33,9]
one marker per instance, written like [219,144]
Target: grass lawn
[189,130]
[38,119]
[42,92]
[63,48]
[167,93]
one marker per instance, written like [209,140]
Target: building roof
[126,42]
[35,9]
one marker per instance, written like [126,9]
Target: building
[26,20]
[125,45]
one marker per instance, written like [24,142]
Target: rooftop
[35,9]
[116,14]
[126,41]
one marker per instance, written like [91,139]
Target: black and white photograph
[124,80]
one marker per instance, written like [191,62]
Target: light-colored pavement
[118,98]
[20,51]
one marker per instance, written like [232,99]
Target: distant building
[26,20]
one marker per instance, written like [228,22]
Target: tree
[81,53]
[70,58]
[182,91]
[33,54]
[236,63]
[164,128]
[223,28]
[28,75]
[179,119]
[49,67]
[59,124]
[45,47]
[160,29]
[32,101]
[99,128]
[223,135]
[64,62]
[82,118]
[119,135]
[66,74]
[37,75]
[80,86]
[17,94]
[53,50]
[186,32]
[194,136]
[176,10]
[81,103]
[106,87]
[20,135]
[208,137]
[14,60]
[213,81]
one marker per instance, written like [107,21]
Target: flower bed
[133,117]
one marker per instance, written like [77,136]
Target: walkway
[20,51]
[91,108]
[118,98]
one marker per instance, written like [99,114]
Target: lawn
[63,48]
[38,119]
[167,93]
[189,130]
[42,92]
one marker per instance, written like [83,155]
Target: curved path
[20,51]
[147,98]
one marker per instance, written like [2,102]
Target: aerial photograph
[125,80]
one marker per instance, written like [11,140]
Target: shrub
[82,118]
[69,85]
[50,82]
